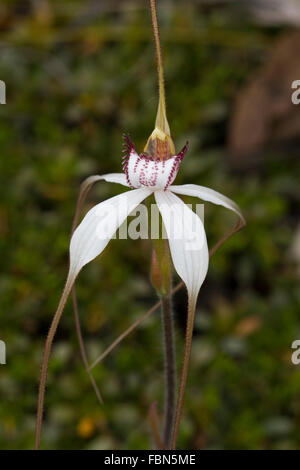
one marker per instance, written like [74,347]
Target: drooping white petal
[113,178]
[210,195]
[99,225]
[187,240]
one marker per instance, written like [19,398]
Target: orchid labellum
[151,172]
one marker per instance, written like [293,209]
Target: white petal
[187,241]
[210,195]
[114,178]
[100,224]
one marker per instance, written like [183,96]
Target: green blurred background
[79,74]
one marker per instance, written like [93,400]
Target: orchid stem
[161,118]
[46,357]
[170,367]
[185,368]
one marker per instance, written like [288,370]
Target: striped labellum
[146,171]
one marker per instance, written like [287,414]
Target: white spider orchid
[146,174]
[154,171]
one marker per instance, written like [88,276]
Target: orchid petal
[88,183]
[119,178]
[209,195]
[99,225]
[187,241]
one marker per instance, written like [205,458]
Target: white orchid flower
[152,172]
[144,175]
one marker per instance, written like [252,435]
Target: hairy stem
[185,368]
[170,367]
[161,119]
[46,357]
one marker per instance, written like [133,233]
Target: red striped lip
[144,171]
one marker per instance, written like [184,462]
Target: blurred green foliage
[75,81]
